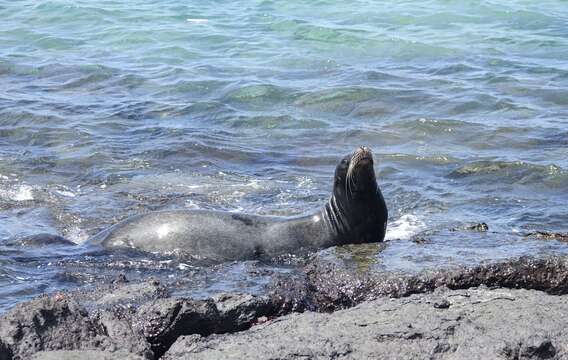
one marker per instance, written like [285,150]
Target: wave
[513,172]
[405,227]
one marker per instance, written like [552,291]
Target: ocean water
[112,108]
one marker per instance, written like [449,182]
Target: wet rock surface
[328,286]
[347,312]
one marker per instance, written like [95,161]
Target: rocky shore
[510,310]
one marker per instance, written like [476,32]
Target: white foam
[65,193]
[20,193]
[24,193]
[190,204]
[183,266]
[194,186]
[197,21]
[254,183]
[77,235]
[305,182]
[404,228]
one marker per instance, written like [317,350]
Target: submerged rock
[41,240]
[479,227]
[545,235]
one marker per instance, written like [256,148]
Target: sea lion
[355,213]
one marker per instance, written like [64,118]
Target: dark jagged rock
[163,321]
[480,323]
[5,351]
[238,311]
[139,319]
[328,286]
[291,293]
[131,317]
[60,323]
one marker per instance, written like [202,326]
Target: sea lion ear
[339,178]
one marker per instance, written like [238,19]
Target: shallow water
[119,107]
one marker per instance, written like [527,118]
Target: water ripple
[149,105]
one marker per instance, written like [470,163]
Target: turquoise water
[111,108]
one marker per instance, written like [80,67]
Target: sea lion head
[355,175]
[357,210]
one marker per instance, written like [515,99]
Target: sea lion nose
[360,154]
